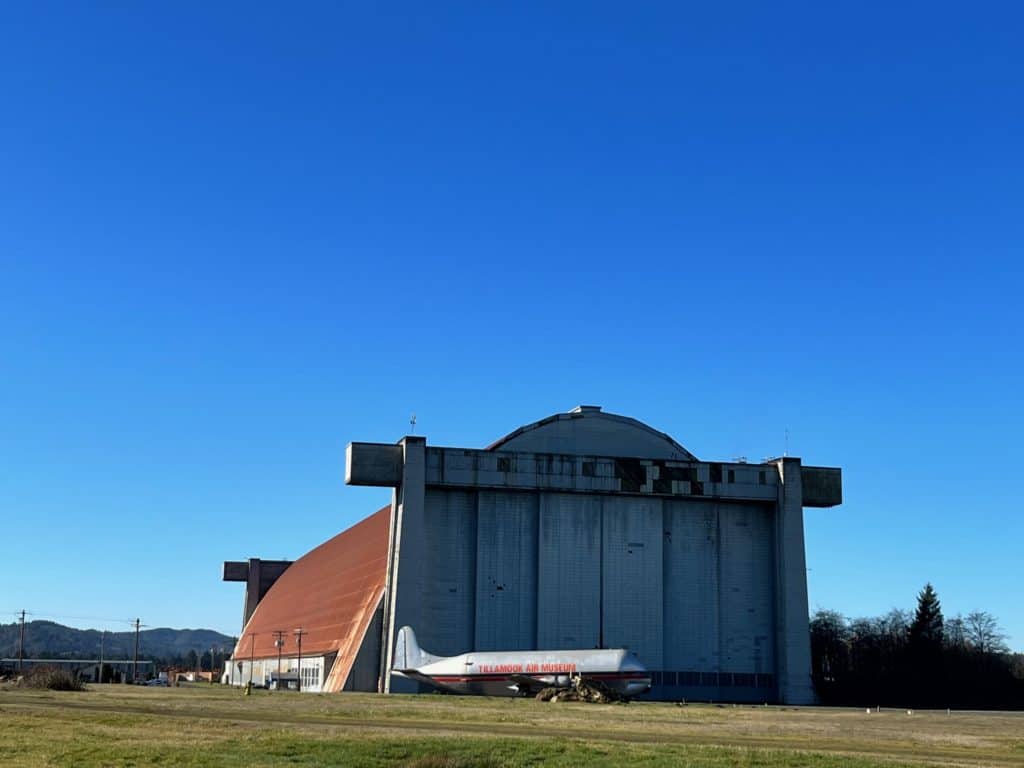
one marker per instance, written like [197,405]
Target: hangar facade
[585,529]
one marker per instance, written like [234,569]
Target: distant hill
[47,639]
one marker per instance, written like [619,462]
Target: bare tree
[984,633]
[956,632]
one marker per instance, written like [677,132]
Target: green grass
[211,726]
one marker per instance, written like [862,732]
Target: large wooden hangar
[582,530]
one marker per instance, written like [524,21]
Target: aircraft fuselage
[518,673]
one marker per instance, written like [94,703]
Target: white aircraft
[519,673]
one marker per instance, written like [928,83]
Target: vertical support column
[793,640]
[386,611]
[405,559]
[252,589]
[259,576]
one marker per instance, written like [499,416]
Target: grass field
[212,726]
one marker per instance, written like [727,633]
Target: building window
[762,478]
[310,677]
[732,475]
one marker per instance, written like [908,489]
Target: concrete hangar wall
[589,529]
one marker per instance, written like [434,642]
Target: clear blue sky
[234,239]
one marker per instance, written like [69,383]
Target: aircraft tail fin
[408,654]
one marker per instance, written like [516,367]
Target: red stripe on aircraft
[499,678]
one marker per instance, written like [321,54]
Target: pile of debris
[590,691]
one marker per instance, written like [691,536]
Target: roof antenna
[412,424]
[785,452]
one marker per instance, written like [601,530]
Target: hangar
[585,529]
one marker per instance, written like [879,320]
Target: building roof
[589,431]
[331,592]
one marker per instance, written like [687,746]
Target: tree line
[48,639]
[915,659]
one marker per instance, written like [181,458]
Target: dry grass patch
[212,726]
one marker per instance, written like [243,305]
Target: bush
[52,679]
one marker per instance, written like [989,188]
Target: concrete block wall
[450,547]
[746,566]
[691,571]
[506,584]
[569,573]
[631,571]
[697,567]
[687,584]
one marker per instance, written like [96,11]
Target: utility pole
[252,655]
[298,637]
[211,664]
[103,635]
[279,644]
[21,645]
[135,663]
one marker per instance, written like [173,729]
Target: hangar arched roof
[331,592]
[587,430]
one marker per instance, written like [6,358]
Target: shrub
[52,679]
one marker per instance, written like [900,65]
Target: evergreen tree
[927,627]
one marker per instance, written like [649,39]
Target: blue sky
[234,239]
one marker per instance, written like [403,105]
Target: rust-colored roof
[331,592]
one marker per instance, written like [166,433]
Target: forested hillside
[47,639]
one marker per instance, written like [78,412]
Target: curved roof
[331,592]
[587,430]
